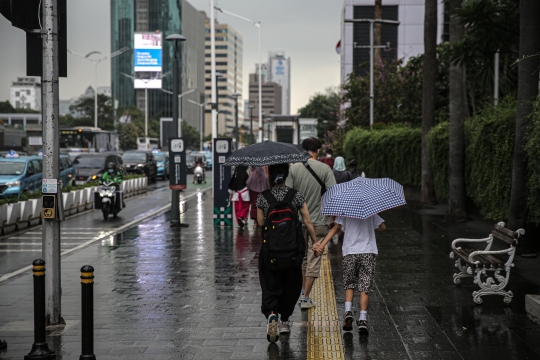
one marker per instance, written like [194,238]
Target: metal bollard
[87,302]
[40,349]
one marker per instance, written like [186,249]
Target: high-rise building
[404,40]
[25,93]
[279,72]
[229,54]
[167,17]
[271,97]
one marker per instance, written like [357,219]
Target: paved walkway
[193,293]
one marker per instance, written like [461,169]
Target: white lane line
[29,250]
[35,244]
[26,238]
[69,232]
[100,237]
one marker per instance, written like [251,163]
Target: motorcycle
[111,202]
[199,175]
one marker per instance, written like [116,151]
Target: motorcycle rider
[199,164]
[114,176]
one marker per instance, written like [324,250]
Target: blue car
[20,175]
[162,161]
[67,171]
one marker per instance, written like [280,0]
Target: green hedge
[393,152]
[532,149]
[439,150]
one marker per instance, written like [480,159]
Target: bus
[74,140]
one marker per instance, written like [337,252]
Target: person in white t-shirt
[359,252]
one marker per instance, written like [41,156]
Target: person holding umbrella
[355,205]
[239,194]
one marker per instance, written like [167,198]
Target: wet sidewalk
[193,293]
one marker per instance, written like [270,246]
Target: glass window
[134,157]
[12,168]
[37,166]
[90,162]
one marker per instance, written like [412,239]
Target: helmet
[111,167]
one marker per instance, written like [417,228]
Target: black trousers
[280,289]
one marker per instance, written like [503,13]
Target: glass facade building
[168,17]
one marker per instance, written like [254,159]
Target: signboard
[147,60]
[177,164]
[222,177]
[279,73]
[49,186]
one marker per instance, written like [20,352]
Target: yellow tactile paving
[324,328]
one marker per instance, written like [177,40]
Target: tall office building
[279,72]
[167,17]
[229,52]
[25,93]
[405,40]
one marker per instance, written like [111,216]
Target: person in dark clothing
[280,289]
[328,159]
[353,168]
[340,171]
[239,194]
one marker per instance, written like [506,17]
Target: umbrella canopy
[267,153]
[361,198]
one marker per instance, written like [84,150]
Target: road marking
[324,330]
[19,250]
[104,235]
[35,244]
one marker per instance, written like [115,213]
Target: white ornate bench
[485,266]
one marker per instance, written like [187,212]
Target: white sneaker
[285,327]
[307,304]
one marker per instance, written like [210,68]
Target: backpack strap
[270,198]
[323,186]
[290,196]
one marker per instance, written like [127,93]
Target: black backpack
[282,233]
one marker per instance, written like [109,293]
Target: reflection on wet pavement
[416,312]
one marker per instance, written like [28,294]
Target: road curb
[109,233]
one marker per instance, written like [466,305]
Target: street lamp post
[180,107]
[268,120]
[201,108]
[96,62]
[258,26]
[175,201]
[371,47]
[236,94]
[250,107]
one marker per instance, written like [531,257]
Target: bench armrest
[510,251]
[487,240]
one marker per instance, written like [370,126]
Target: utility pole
[51,155]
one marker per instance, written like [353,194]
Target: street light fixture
[175,201]
[201,109]
[258,26]
[236,94]
[96,62]
[180,106]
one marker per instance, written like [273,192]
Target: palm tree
[529,49]
[458,110]
[428,96]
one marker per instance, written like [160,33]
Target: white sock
[363,315]
[348,306]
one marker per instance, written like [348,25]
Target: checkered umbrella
[267,153]
[362,197]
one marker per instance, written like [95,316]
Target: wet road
[18,250]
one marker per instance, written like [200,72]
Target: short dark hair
[330,151]
[278,174]
[311,144]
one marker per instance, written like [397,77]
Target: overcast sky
[307,30]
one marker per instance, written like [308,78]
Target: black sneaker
[240,222]
[362,327]
[348,320]
[272,328]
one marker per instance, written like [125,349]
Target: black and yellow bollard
[40,349]
[87,302]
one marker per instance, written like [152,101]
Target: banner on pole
[177,164]
[222,176]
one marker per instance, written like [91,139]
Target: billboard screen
[147,60]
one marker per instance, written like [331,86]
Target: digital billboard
[147,60]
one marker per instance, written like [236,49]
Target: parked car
[90,167]
[20,175]
[162,159]
[141,162]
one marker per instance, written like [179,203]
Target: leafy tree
[529,49]
[6,108]
[105,111]
[191,136]
[323,107]
[428,96]
[128,134]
